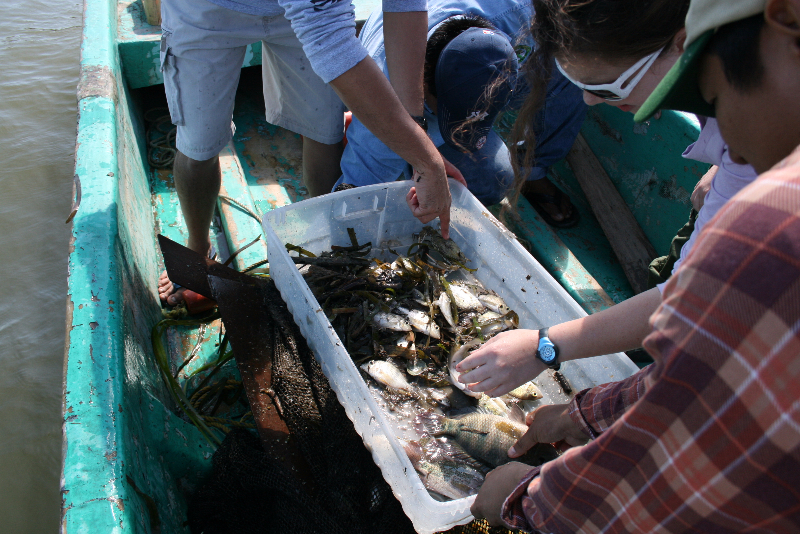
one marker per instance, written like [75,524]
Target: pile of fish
[407,322]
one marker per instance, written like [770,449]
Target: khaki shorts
[203,47]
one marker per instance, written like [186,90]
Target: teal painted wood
[123,447]
[545,245]
[644,162]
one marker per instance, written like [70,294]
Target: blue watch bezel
[546,342]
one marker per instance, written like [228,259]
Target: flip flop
[536,199]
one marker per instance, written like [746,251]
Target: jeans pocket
[169,69]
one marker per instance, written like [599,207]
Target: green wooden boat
[129,460]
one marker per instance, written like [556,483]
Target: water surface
[39,64]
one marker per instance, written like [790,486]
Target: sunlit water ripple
[39,64]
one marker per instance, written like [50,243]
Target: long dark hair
[613,30]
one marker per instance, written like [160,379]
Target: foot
[167,292]
[559,212]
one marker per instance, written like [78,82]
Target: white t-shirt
[730,179]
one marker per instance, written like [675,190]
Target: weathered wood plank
[626,237]
[152,11]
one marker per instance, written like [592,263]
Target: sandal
[537,199]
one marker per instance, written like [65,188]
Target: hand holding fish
[503,363]
[549,424]
[495,490]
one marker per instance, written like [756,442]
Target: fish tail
[429,423]
[414,451]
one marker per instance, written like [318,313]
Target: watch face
[547,353]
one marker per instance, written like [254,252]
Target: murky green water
[39,55]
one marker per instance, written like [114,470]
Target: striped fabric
[713,442]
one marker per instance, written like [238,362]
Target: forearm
[618,328]
[367,93]
[405,37]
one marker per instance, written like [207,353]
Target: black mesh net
[251,492]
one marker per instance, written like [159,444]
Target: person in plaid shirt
[706,439]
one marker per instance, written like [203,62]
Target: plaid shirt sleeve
[596,409]
[713,443]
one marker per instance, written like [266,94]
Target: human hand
[495,490]
[549,424]
[503,363]
[453,172]
[702,188]
[429,197]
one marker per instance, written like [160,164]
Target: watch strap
[422,121]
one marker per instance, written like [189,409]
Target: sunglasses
[625,84]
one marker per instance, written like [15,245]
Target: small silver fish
[421,322]
[444,306]
[388,374]
[390,321]
[458,355]
[465,299]
[494,303]
[527,391]
[492,322]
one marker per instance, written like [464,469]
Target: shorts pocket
[169,69]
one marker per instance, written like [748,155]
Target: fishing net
[251,492]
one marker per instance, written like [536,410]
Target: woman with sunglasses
[617,51]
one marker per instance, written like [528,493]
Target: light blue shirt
[366,159]
[326,28]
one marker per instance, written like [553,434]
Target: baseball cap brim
[680,89]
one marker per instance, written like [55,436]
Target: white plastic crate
[379,214]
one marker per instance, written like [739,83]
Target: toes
[175,298]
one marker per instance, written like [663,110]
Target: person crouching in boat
[617,53]
[711,441]
[472,92]
[313,65]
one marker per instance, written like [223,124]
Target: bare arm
[405,36]
[369,95]
[508,360]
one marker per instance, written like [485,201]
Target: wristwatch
[422,121]
[547,351]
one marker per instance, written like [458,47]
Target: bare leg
[197,184]
[321,166]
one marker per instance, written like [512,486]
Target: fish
[486,437]
[390,321]
[446,247]
[448,477]
[465,300]
[447,312]
[455,358]
[388,375]
[527,391]
[492,322]
[420,321]
[494,303]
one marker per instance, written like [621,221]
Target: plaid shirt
[708,438]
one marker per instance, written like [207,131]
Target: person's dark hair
[441,37]
[612,30]
[738,46]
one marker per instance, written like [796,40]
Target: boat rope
[160,135]
[241,207]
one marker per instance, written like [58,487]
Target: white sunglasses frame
[643,65]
